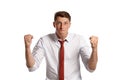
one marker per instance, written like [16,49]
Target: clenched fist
[28,40]
[94,41]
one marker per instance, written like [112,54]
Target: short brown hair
[62,14]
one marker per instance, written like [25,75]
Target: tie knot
[61,42]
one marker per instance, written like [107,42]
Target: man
[51,47]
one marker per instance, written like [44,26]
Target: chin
[63,33]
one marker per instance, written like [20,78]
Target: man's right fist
[28,40]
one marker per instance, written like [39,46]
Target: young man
[62,51]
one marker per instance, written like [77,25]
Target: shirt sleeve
[38,54]
[85,53]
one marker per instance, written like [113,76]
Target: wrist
[27,47]
[94,48]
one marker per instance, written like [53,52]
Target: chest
[70,50]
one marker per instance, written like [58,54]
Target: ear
[70,25]
[54,24]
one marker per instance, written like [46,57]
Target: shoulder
[76,38]
[74,35]
[47,37]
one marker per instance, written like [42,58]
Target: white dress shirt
[48,47]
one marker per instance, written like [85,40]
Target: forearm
[93,59]
[29,58]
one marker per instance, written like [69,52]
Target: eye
[58,23]
[66,23]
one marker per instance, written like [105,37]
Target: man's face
[62,25]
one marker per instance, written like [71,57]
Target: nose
[62,25]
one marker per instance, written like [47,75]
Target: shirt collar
[67,39]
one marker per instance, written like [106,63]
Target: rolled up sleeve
[38,54]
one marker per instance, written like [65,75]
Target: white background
[89,17]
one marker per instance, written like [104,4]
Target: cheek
[68,27]
[57,27]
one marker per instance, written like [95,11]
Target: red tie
[61,61]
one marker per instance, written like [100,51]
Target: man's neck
[62,36]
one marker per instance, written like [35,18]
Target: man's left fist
[94,41]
